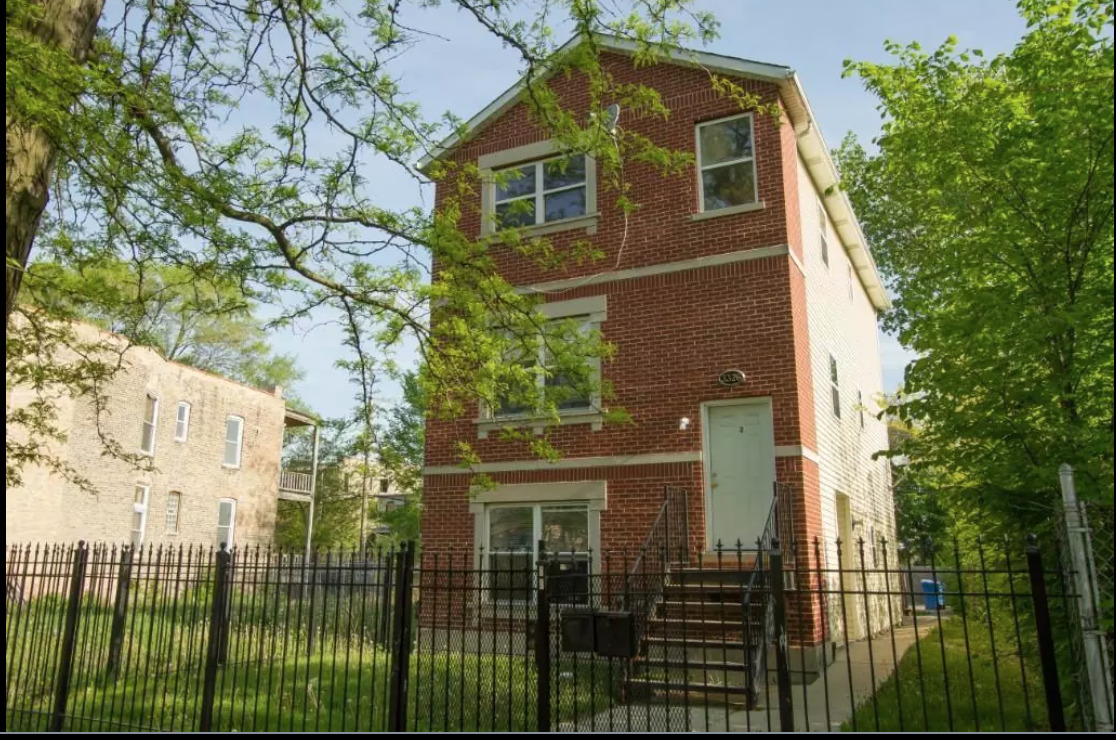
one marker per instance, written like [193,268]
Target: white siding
[847,330]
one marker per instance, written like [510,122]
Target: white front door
[740,442]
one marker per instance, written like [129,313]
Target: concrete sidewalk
[822,705]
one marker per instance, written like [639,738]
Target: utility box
[605,633]
[615,634]
[578,631]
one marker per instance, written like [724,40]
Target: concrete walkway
[822,705]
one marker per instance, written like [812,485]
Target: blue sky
[466,68]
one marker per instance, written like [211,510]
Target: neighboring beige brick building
[214,445]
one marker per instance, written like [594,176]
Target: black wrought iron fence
[98,638]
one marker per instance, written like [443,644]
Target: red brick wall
[673,333]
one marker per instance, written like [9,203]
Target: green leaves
[989,208]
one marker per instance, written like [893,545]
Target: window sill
[226,466]
[587,222]
[593,417]
[730,211]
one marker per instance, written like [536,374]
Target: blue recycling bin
[933,594]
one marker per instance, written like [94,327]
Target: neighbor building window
[150,417]
[140,497]
[823,233]
[835,387]
[860,407]
[234,438]
[385,484]
[226,522]
[540,192]
[514,533]
[174,505]
[726,163]
[182,422]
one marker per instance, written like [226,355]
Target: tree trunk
[67,25]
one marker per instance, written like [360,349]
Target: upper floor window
[849,276]
[860,407]
[835,387]
[726,163]
[541,192]
[182,422]
[234,437]
[385,484]
[150,417]
[823,232]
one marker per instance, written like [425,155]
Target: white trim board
[664,268]
[569,463]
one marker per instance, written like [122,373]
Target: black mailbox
[615,634]
[577,631]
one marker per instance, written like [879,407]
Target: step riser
[679,696]
[729,614]
[696,655]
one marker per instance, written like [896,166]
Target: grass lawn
[448,691]
[918,700]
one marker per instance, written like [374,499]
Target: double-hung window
[226,522]
[140,498]
[182,422]
[514,533]
[150,419]
[835,387]
[174,506]
[823,232]
[726,163]
[569,380]
[540,192]
[234,438]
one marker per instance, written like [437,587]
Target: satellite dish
[611,118]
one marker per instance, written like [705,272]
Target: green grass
[916,699]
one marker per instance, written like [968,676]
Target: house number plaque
[731,377]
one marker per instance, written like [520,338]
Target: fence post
[401,641]
[542,651]
[782,664]
[213,647]
[69,638]
[1053,691]
[1079,541]
[120,611]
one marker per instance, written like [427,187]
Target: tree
[401,450]
[989,205]
[337,495]
[141,131]
[209,323]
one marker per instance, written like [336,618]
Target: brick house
[214,446]
[752,262]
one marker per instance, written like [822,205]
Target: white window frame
[849,274]
[823,231]
[173,513]
[536,526]
[539,194]
[702,168]
[835,386]
[523,156]
[140,508]
[181,423]
[239,442]
[594,309]
[232,523]
[154,424]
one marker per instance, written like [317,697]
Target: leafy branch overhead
[239,144]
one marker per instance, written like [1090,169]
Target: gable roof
[811,145]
